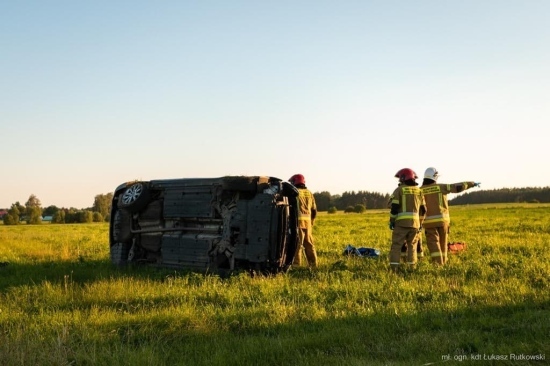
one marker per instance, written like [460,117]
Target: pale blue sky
[95,93]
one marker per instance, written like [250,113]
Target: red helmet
[297,179]
[406,174]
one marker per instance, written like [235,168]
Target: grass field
[62,303]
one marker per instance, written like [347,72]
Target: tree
[33,210]
[58,217]
[98,217]
[102,204]
[323,200]
[13,215]
[33,201]
[70,215]
[368,199]
[34,215]
[84,216]
[503,195]
[21,209]
[50,210]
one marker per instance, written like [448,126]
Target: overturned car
[205,224]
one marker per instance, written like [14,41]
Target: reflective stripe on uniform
[408,215]
[408,199]
[438,218]
[305,205]
[410,190]
[435,217]
[431,190]
[435,254]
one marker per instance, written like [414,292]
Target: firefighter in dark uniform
[406,217]
[438,221]
[307,211]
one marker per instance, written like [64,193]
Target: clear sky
[96,93]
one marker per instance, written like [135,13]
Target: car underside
[205,224]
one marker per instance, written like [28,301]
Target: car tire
[119,254]
[135,197]
[122,226]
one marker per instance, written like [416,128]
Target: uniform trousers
[437,240]
[409,236]
[305,238]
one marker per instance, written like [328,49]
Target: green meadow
[62,303]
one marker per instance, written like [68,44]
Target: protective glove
[477,184]
[392,225]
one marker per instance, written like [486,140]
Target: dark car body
[205,224]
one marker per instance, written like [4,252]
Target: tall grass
[62,303]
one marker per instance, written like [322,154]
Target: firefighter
[438,221]
[307,211]
[406,216]
[419,251]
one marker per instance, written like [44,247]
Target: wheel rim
[132,194]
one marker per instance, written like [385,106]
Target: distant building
[2,213]
[47,218]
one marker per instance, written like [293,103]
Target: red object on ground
[457,247]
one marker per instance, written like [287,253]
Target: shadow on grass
[82,272]
[88,271]
[387,337]
[485,333]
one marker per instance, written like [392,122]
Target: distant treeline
[503,195]
[374,200]
[348,200]
[33,213]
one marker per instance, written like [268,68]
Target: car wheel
[122,226]
[119,254]
[134,198]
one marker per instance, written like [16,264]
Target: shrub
[84,216]
[359,208]
[332,210]
[10,220]
[97,217]
[58,217]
